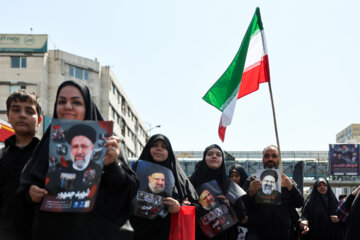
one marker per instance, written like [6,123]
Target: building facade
[25,63]
[350,134]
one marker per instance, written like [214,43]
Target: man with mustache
[269,221]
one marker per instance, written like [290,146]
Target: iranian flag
[249,68]
[5,130]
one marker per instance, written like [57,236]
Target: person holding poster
[238,175]
[117,187]
[213,185]
[158,152]
[270,221]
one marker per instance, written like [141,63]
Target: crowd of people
[229,205]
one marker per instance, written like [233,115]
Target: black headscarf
[205,174]
[183,187]
[92,112]
[317,210]
[36,170]
[241,171]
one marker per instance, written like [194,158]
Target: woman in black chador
[158,150]
[212,167]
[117,187]
[319,210]
[238,174]
[352,203]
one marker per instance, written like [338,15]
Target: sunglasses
[272,155]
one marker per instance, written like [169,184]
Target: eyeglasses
[272,155]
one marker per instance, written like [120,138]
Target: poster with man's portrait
[216,215]
[270,192]
[156,183]
[344,159]
[76,159]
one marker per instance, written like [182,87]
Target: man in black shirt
[266,221]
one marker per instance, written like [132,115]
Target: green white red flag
[249,68]
[5,130]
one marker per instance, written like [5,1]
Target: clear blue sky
[167,54]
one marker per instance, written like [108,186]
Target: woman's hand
[355,192]
[223,198]
[254,187]
[186,202]
[172,204]
[245,220]
[304,225]
[113,150]
[334,219]
[36,193]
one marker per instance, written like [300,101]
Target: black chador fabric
[317,210]
[113,203]
[15,215]
[159,228]
[353,221]
[243,175]
[205,174]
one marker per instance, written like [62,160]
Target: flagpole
[276,131]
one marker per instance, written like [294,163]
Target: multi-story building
[351,134]
[25,63]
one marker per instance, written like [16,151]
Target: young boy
[23,111]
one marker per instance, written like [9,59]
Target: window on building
[18,62]
[122,144]
[123,125]
[123,105]
[16,87]
[113,88]
[79,73]
[113,113]
[117,118]
[71,71]
[86,75]
[118,97]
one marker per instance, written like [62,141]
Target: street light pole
[151,128]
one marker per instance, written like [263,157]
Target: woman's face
[159,151]
[322,188]
[70,104]
[235,176]
[213,158]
